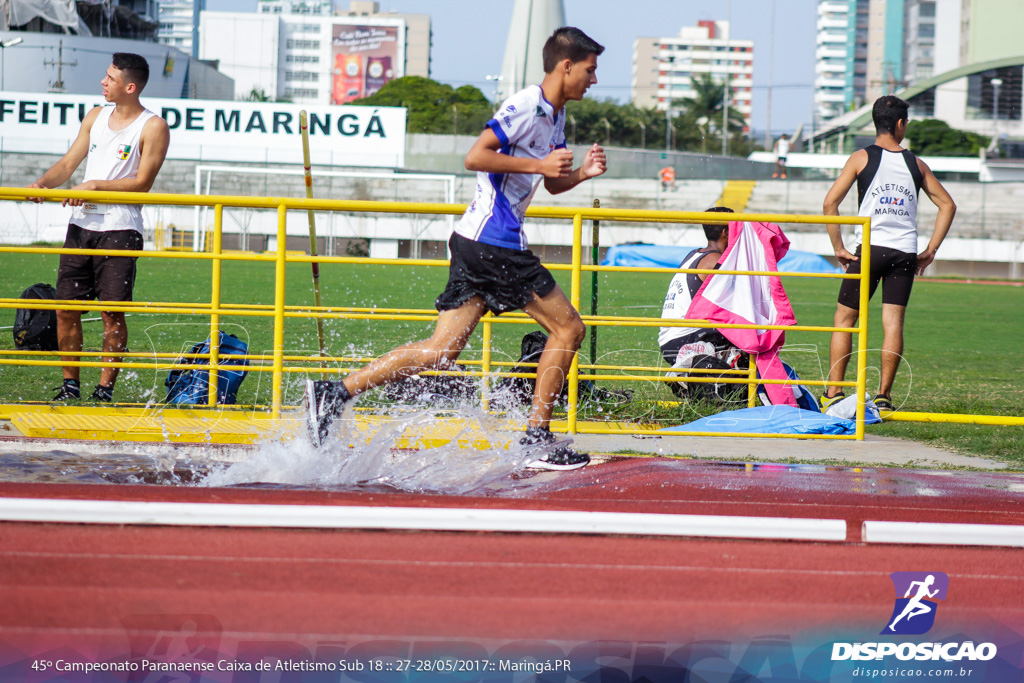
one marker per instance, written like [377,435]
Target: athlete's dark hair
[135,67]
[886,112]
[568,43]
[714,231]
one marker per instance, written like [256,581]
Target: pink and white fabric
[751,300]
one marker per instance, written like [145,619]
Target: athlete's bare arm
[947,209]
[153,143]
[708,262]
[594,164]
[836,194]
[61,171]
[484,157]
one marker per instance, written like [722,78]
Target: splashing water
[349,460]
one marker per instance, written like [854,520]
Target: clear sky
[469,42]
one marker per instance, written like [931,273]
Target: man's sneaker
[102,394]
[69,391]
[883,402]
[827,401]
[324,401]
[559,457]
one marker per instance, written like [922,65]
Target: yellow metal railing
[279,311]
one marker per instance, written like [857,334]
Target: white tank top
[113,154]
[888,190]
[680,294]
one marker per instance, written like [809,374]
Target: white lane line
[932,533]
[427,519]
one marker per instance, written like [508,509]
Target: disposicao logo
[914,612]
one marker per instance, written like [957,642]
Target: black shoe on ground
[883,402]
[324,401]
[560,457]
[69,391]
[102,394]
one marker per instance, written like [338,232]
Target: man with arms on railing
[125,146]
[491,267]
[889,179]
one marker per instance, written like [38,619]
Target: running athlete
[491,267]
[124,146]
[915,607]
[889,179]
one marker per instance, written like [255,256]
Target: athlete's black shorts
[506,279]
[106,278]
[896,270]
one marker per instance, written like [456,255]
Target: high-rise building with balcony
[840,72]
[179,24]
[664,68]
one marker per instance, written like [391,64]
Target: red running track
[310,588]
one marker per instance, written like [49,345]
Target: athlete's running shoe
[69,391]
[102,394]
[827,401]
[324,401]
[560,457]
[883,402]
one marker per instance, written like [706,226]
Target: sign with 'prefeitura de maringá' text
[219,131]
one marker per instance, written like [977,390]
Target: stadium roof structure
[840,133]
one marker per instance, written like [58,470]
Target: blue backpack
[804,398]
[192,386]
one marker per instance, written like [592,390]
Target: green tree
[434,107]
[933,137]
[257,94]
[708,103]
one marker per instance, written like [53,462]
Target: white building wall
[247,47]
[285,55]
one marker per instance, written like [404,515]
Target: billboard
[363,58]
[219,130]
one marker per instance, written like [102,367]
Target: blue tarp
[658,256]
[769,420]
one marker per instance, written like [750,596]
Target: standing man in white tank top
[888,179]
[125,145]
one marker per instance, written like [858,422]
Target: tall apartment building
[179,24]
[841,55]
[663,68]
[919,44]
[885,48]
[300,51]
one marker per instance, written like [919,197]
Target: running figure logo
[914,613]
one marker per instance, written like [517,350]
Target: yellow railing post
[485,361]
[862,328]
[218,215]
[279,273]
[577,276]
[752,381]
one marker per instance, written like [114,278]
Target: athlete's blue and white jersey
[527,126]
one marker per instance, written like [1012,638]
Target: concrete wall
[987,238]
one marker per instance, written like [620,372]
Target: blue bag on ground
[192,386]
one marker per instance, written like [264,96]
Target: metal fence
[281,363]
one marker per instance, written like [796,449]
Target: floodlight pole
[304,129]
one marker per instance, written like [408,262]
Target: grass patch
[962,352]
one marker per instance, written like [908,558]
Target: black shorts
[107,278]
[506,279]
[896,270]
